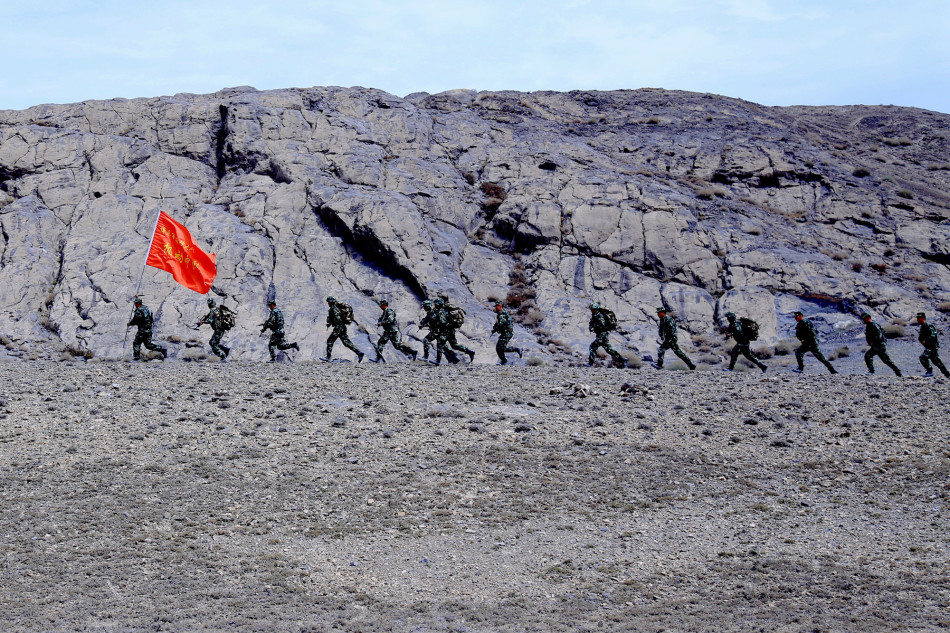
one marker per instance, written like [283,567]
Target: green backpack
[750,327]
[346,312]
[226,318]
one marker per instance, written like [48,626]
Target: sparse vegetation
[786,346]
[860,172]
[894,330]
[943,306]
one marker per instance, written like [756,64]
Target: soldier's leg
[501,347]
[620,360]
[330,341]
[402,347]
[439,349]
[935,357]
[886,359]
[747,352]
[458,347]
[824,361]
[426,343]
[660,353]
[734,356]
[137,347]
[215,343]
[381,343]
[800,356]
[592,351]
[682,356]
[275,341]
[869,359]
[152,347]
[347,343]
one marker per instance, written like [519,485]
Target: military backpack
[750,327]
[610,319]
[456,315]
[346,312]
[225,319]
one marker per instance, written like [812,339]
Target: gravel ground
[397,497]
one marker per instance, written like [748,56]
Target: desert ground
[306,497]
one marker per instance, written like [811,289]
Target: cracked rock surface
[311,497]
[550,200]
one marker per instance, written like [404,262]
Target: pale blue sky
[768,51]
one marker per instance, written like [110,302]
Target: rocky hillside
[551,200]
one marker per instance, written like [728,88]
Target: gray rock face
[551,200]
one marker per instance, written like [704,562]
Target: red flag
[174,250]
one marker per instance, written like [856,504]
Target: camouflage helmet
[662,309]
[921,315]
[426,304]
[137,300]
[331,300]
[211,303]
[730,315]
[797,314]
[383,303]
[595,306]
[271,302]
[439,302]
[865,315]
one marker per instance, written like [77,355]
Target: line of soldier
[443,319]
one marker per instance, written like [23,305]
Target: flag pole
[142,274]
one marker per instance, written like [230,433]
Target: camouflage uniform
[390,334]
[427,322]
[447,332]
[805,332]
[874,335]
[670,341]
[142,319]
[212,319]
[743,344]
[598,325]
[928,338]
[275,323]
[337,325]
[506,330]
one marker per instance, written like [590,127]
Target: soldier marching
[443,319]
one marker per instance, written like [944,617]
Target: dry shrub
[709,359]
[894,330]
[938,167]
[653,120]
[861,172]
[842,352]
[493,190]
[193,355]
[906,194]
[535,361]
[73,350]
[839,256]
[881,268]
[49,326]
[943,306]
[633,359]
[174,338]
[857,266]
[677,365]
[6,342]
[763,352]
[531,317]
[901,141]
[705,194]
[786,346]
